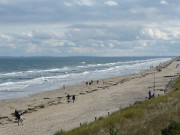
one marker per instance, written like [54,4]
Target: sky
[89,27]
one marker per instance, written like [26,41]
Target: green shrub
[172,129]
[59,133]
[112,131]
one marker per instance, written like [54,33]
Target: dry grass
[144,118]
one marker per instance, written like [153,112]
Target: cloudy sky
[89,27]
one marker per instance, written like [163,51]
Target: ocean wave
[30,72]
[71,75]
[66,69]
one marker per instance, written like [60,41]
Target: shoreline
[95,100]
[42,84]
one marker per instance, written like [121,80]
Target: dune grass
[145,118]
[178,59]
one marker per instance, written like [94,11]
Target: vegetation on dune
[172,129]
[157,116]
[178,59]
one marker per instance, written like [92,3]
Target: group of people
[150,96]
[91,82]
[177,65]
[68,98]
[19,118]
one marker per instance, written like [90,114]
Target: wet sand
[48,112]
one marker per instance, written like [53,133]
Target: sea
[24,76]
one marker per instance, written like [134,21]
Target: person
[91,81]
[18,117]
[73,98]
[68,98]
[149,94]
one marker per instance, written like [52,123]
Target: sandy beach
[48,112]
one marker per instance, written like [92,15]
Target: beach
[48,112]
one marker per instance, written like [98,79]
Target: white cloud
[111,3]
[6,37]
[84,2]
[32,49]
[68,4]
[82,50]
[144,44]
[164,2]
[102,45]
[77,26]
[53,43]
[27,34]
[155,33]
[111,45]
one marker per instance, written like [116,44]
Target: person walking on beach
[149,94]
[68,98]
[73,98]
[18,117]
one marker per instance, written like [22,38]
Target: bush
[59,133]
[112,131]
[172,129]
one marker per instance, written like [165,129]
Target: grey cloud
[103,32]
[89,27]
[39,11]
[124,38]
